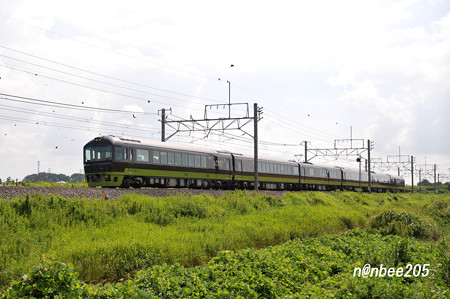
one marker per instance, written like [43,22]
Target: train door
[216,165]
[131,166]
[233,168]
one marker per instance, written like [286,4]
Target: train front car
[397,183]
[105,160]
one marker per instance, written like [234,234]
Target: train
[120,162]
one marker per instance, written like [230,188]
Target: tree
[425,183]
[76,178]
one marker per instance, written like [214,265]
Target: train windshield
[97,153]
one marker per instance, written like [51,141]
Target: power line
[102,75]
[76,119]
[66,126]
[34,101]
[85,86]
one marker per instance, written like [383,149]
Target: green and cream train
[113,161]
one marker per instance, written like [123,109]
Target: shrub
[55,280]
[405,224]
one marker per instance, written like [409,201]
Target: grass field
[109,241]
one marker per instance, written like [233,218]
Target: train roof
[153,143]
[119,140]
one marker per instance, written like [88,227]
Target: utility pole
[351,137]
[39,162]
[438,187]
[420,180]
[306,151]
[368,163]
[255,142]
[163,125]
[229,99]
[359,171]
[412,174]
[434,178]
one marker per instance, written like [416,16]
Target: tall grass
[110,240]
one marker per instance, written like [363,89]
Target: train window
[163,156]
[238,165]
[227,164]
[191,160]
[282,169]
[295,170]
[197,161]
[177,159]
[263,167]
[311,171]
[155,157]
[184,160]
[203,161]
[119,153]
[170,158]
[142,155]
[98,152]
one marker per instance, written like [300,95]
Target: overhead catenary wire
[86,86]
[34,101]
[103,82]
[101,130]
[311,130]
[77,119]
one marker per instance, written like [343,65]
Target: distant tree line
[54,178]
[426,183]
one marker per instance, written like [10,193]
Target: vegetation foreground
[198,246]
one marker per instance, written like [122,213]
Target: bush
[55,280]
[404,224]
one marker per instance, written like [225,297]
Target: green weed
[107,241]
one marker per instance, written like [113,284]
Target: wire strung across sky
[279,121]
[28,100]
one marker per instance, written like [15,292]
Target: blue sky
[317,67]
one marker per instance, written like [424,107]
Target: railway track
[96,193]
